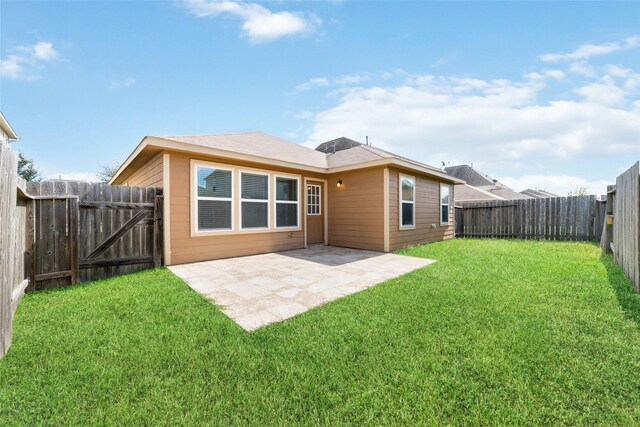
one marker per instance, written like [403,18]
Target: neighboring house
[7,134]
[249,193]
[480,187]
[538,194]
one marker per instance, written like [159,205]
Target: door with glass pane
[315,214]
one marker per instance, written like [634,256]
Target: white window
[286,202]
[313,200]
[214,198]
[407,201]
[444,204]
[254,200]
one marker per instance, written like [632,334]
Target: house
[538,194]
[249,193]
[480,187]
[7,133]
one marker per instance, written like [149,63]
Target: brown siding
[356,210]
[185,248]
[149,175]
[427,212]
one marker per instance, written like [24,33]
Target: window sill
[243,231]
[407,227]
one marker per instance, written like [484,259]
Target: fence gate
[81,232]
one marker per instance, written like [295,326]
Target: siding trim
[166,217]
[385,189]
[400,201]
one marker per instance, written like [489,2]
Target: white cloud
[617,71]
[27,61]
[602,93]
[259,23]
[353,78]
[582,68]
[128,82]
[586,51]
[314,82]
[554,74]
[345,80]
[558,184]
[44,51]
[496,123]
[75,176]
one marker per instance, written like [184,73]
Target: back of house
[230,195]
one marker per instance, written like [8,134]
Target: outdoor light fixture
[339,183]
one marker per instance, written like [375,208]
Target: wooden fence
[81,231]
[626,223]
[556,218]
[56,233]
[12,242]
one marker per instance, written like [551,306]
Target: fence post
[74,260]
[157,231]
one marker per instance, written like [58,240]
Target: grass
[496,332]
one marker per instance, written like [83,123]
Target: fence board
[13,231]
[626,224]
[99,210]
[560,218]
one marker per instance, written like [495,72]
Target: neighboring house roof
[262,148]
[337,144]
[469,193]
[538,194]
[483,187]
[6,128]
[470,175]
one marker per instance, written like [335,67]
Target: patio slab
[258,290]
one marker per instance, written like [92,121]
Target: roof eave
[399,163]
[160,142]
[4,124]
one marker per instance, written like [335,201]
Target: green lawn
[496,332]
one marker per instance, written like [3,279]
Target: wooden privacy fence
[556,218]
[622,231]
[12,242]
[79,232]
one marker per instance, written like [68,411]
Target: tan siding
[149,175]
[186,248]
[427,213]
[356,211]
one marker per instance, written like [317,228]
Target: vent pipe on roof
[367,140]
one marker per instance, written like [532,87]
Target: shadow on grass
[628,298]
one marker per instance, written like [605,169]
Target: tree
[106,172]
[27,170]
[579,191]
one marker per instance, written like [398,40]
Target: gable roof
[538,194]
[470,175]
[469,193]
[261,148]
[256,144]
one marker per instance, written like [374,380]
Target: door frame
[324,207]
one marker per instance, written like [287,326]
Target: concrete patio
[258,290]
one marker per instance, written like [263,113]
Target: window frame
[448,205]
[276,201]
[402,176]
[241,200]
[197,198]
[319,187]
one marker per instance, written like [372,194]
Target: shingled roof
[262,148]
[470,175]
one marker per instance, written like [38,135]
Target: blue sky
[539,94]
